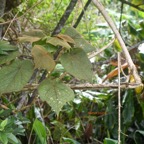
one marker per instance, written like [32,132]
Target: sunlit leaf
[80,42]
[58,42]
[110,141]
[9,57]
[66,38]
[76,63]
[32,36]
[55,93]
[42,58]
[69,140]
[14,76]
[117,46]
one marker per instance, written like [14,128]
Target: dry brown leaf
[66,38]
[58,42]
[42,58]
[115,72]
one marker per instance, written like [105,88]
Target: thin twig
[93,54]
[121,42]
[133,5]
[119,99]
[10,25]
[23,14]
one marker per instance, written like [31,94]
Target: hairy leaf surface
[55,93]
[80,42]
[76,63]
[15,76]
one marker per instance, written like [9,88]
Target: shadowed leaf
[76,63]
[15,76]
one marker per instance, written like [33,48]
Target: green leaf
[138,136]
[117,46]
[111,117]
[15,76]
[55,93]
[80,42]
[40,131]
[70,141]
[128,108]
[7,58]
[60,131]
[76,63]
[3,124]
[42,58]
[5,46]
[3,138]
[12,138]
[110,141]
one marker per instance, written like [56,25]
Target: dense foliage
[48,77]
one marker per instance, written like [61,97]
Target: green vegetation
[58,85]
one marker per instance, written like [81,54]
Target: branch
[89,86]
[122,44]
[133,5]
[81,14]
[57,30]
[64,18]
[2,9]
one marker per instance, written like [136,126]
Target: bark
[2,9]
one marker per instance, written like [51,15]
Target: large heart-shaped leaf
[55,93]
[13,77]
[80,42]
[42,58]
[76,63]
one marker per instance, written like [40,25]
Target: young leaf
[40,131]
[76,63]
[55,93]
[42,58]
[80,42]
[13,77]
[117,46]
[3,124]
